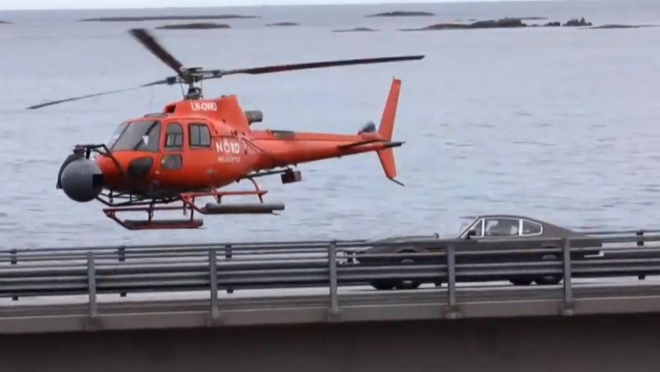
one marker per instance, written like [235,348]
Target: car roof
[517,216]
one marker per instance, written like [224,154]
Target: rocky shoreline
[194,26]
[282,24]
[356,29]
[168,18]
[400,13]
[500,23]
[609,27]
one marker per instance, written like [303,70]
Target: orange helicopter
[196,146]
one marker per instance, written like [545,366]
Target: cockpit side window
[174,137]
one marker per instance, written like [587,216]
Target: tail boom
[297,147]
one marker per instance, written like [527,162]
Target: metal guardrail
[92,271]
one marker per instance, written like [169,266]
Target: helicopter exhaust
[254,116]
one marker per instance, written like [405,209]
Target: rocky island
[500,23]
[399,13]
[608,27]
[168,18]
[3,22]
[282,24]
[357,29]
[194,26]
[577,23]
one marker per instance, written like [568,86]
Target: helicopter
[197,146]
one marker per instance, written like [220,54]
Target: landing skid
[188,204]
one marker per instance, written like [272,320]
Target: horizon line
[324,3]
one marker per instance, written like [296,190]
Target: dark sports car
[486,232]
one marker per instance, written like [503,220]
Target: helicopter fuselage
[197,145]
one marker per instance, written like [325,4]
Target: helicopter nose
[81,179]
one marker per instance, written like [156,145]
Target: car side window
[501,227]
[531,228]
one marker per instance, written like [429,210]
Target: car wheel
[549,279]
[521,281]
[382,285]
[407,283]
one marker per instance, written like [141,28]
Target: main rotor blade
[150,42]
[165,81]
[304,66]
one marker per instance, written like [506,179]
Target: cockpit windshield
[136,136]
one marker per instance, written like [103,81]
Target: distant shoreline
[167,18]
[518,23]
[194,26]
[471,24]
[356,29]
[402,13]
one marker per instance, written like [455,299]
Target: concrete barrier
[531,344]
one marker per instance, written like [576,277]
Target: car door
[495,233]
[501,231]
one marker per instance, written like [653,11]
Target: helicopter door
[203,168]
[171,163]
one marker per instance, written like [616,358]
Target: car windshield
[465,222]
[452,228]
[136,136]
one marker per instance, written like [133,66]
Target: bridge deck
[110,288]
[268,307]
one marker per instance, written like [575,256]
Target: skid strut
[188,200]
[150,223]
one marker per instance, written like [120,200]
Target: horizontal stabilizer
[359,143]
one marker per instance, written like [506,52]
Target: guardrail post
[640,243]
[451,282]
[227,258]
[13,260]
[121,253]
[568,287]
[332,263]
[213,272]
[91,285]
